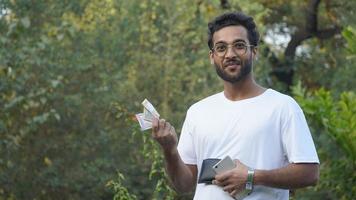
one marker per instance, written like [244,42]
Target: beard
[245,70]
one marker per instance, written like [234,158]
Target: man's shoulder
[283,101]
[278,96]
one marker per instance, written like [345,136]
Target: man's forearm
[181,176]
[292,176]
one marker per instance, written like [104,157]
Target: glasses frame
[233,49]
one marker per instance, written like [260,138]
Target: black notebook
[207,174]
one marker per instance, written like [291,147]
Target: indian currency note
[147,105]
[144,124]
[149,113]
[148,116]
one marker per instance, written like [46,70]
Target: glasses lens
[220,49]
[240,48]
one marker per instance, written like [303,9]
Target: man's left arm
[292,176]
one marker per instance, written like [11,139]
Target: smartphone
[224,165]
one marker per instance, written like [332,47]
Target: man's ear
[211,57]
[255,53]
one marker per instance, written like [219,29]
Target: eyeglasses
[239,48]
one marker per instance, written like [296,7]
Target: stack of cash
[145,118]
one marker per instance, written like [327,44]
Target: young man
[262,129]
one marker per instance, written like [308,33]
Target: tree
[309,24]
[74,73]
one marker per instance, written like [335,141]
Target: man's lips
[232,64]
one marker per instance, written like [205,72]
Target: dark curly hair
[231,19]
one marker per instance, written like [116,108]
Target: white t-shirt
[264,132]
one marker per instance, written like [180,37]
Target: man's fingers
[226,185]
[162,124]
[167,127]
[161,127]
[223,176]
[155,125]
[173,129]
[220,183]
[154,122]
[237,162]
[229,188]
[233,193]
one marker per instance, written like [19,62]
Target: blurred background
[74,73]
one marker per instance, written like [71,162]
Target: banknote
[145,125]
[145,118]
[148,116]
[149,107]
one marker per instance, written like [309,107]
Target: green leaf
[25,21]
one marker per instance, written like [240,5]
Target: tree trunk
[285,71]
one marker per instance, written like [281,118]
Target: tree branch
[312,16]
[295,41]
[285,71]
[311,28]
[328,33]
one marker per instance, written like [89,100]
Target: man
[262,129]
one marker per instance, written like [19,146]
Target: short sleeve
[186,143]
[297,141]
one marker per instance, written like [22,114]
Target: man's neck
[244,89]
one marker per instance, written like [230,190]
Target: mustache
[232,62]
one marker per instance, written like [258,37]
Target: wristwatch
[249,182]
[249,186]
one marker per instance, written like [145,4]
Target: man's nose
[230,53]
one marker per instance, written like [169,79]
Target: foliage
[121,192]
[73,73]
[318,61]
[350,35]
[333,123]
[58,139]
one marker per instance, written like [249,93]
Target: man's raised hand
[164,133]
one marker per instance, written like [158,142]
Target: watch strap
[249,182]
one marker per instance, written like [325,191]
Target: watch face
[248,186]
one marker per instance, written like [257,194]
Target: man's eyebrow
[237,40]
[221,42]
